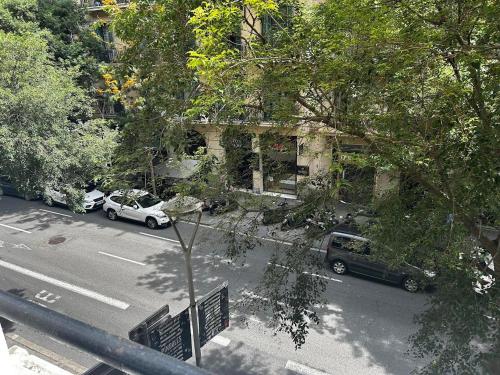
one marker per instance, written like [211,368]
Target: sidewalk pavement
[264,232]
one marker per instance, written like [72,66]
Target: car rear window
[350,244]
[148,200]
[117,199]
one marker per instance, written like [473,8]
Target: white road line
[125,259]
[318,250]
[19,229]
[307,273]
[303,369]
[55,213]
[221,340]
[243,317]
[161,238]
[73,288]
[38,303]
[288,243]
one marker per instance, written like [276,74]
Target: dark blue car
[8,188]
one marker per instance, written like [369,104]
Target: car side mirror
[135,207]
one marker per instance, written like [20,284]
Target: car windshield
[90,187]
[148,200]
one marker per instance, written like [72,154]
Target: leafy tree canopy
[416,81]
[46,138]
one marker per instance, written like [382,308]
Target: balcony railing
[99,4]
[115,351]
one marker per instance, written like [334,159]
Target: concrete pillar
[314,151]
[257,175]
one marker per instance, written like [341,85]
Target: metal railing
[115,351]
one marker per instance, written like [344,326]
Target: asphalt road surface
[114,274]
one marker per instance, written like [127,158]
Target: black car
[349,252]
[8,188]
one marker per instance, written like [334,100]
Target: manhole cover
[56,240]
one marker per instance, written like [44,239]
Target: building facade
[277,164]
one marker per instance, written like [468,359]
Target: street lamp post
[181,206]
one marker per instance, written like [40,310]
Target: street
[114,274]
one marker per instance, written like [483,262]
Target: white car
[93,198]
[138,205]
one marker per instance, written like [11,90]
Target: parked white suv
[138,205]
[93,198]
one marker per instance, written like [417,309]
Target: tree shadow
[219,361]
[30,212]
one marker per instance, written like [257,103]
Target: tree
[72,41]
[46,139]
[416,81]
[154,83]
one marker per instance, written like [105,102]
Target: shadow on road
[221,362]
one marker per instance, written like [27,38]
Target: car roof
[134,192]
[348,230]
[348,235]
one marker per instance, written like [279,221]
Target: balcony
[96,5]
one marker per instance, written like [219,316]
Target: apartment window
[273,24]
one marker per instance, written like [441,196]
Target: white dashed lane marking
[303,369]
[221,340]
[62,284]
[18,229]
[308,273]
[55,213]
[121,258]
[283,242]
[160,238]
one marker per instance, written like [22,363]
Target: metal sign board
[213,313]
[166,334]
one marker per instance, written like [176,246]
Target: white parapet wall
[18,361]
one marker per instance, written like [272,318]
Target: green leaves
[45,138]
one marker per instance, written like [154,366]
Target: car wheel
[151,223]
[111,214]
[339,267]
[410,284]
[49,201]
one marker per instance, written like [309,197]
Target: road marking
[221,340]
[125,259]
[55,213]
[46,296]
[303,369]
[318,250]
[38,303]
[161,238]
[245,317]
[20,246]
[19,229]
[308,273]
[283,242]
[62,284]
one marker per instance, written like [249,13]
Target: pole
[192,299]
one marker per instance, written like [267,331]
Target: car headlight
[429,274]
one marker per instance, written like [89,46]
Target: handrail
[115,351]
